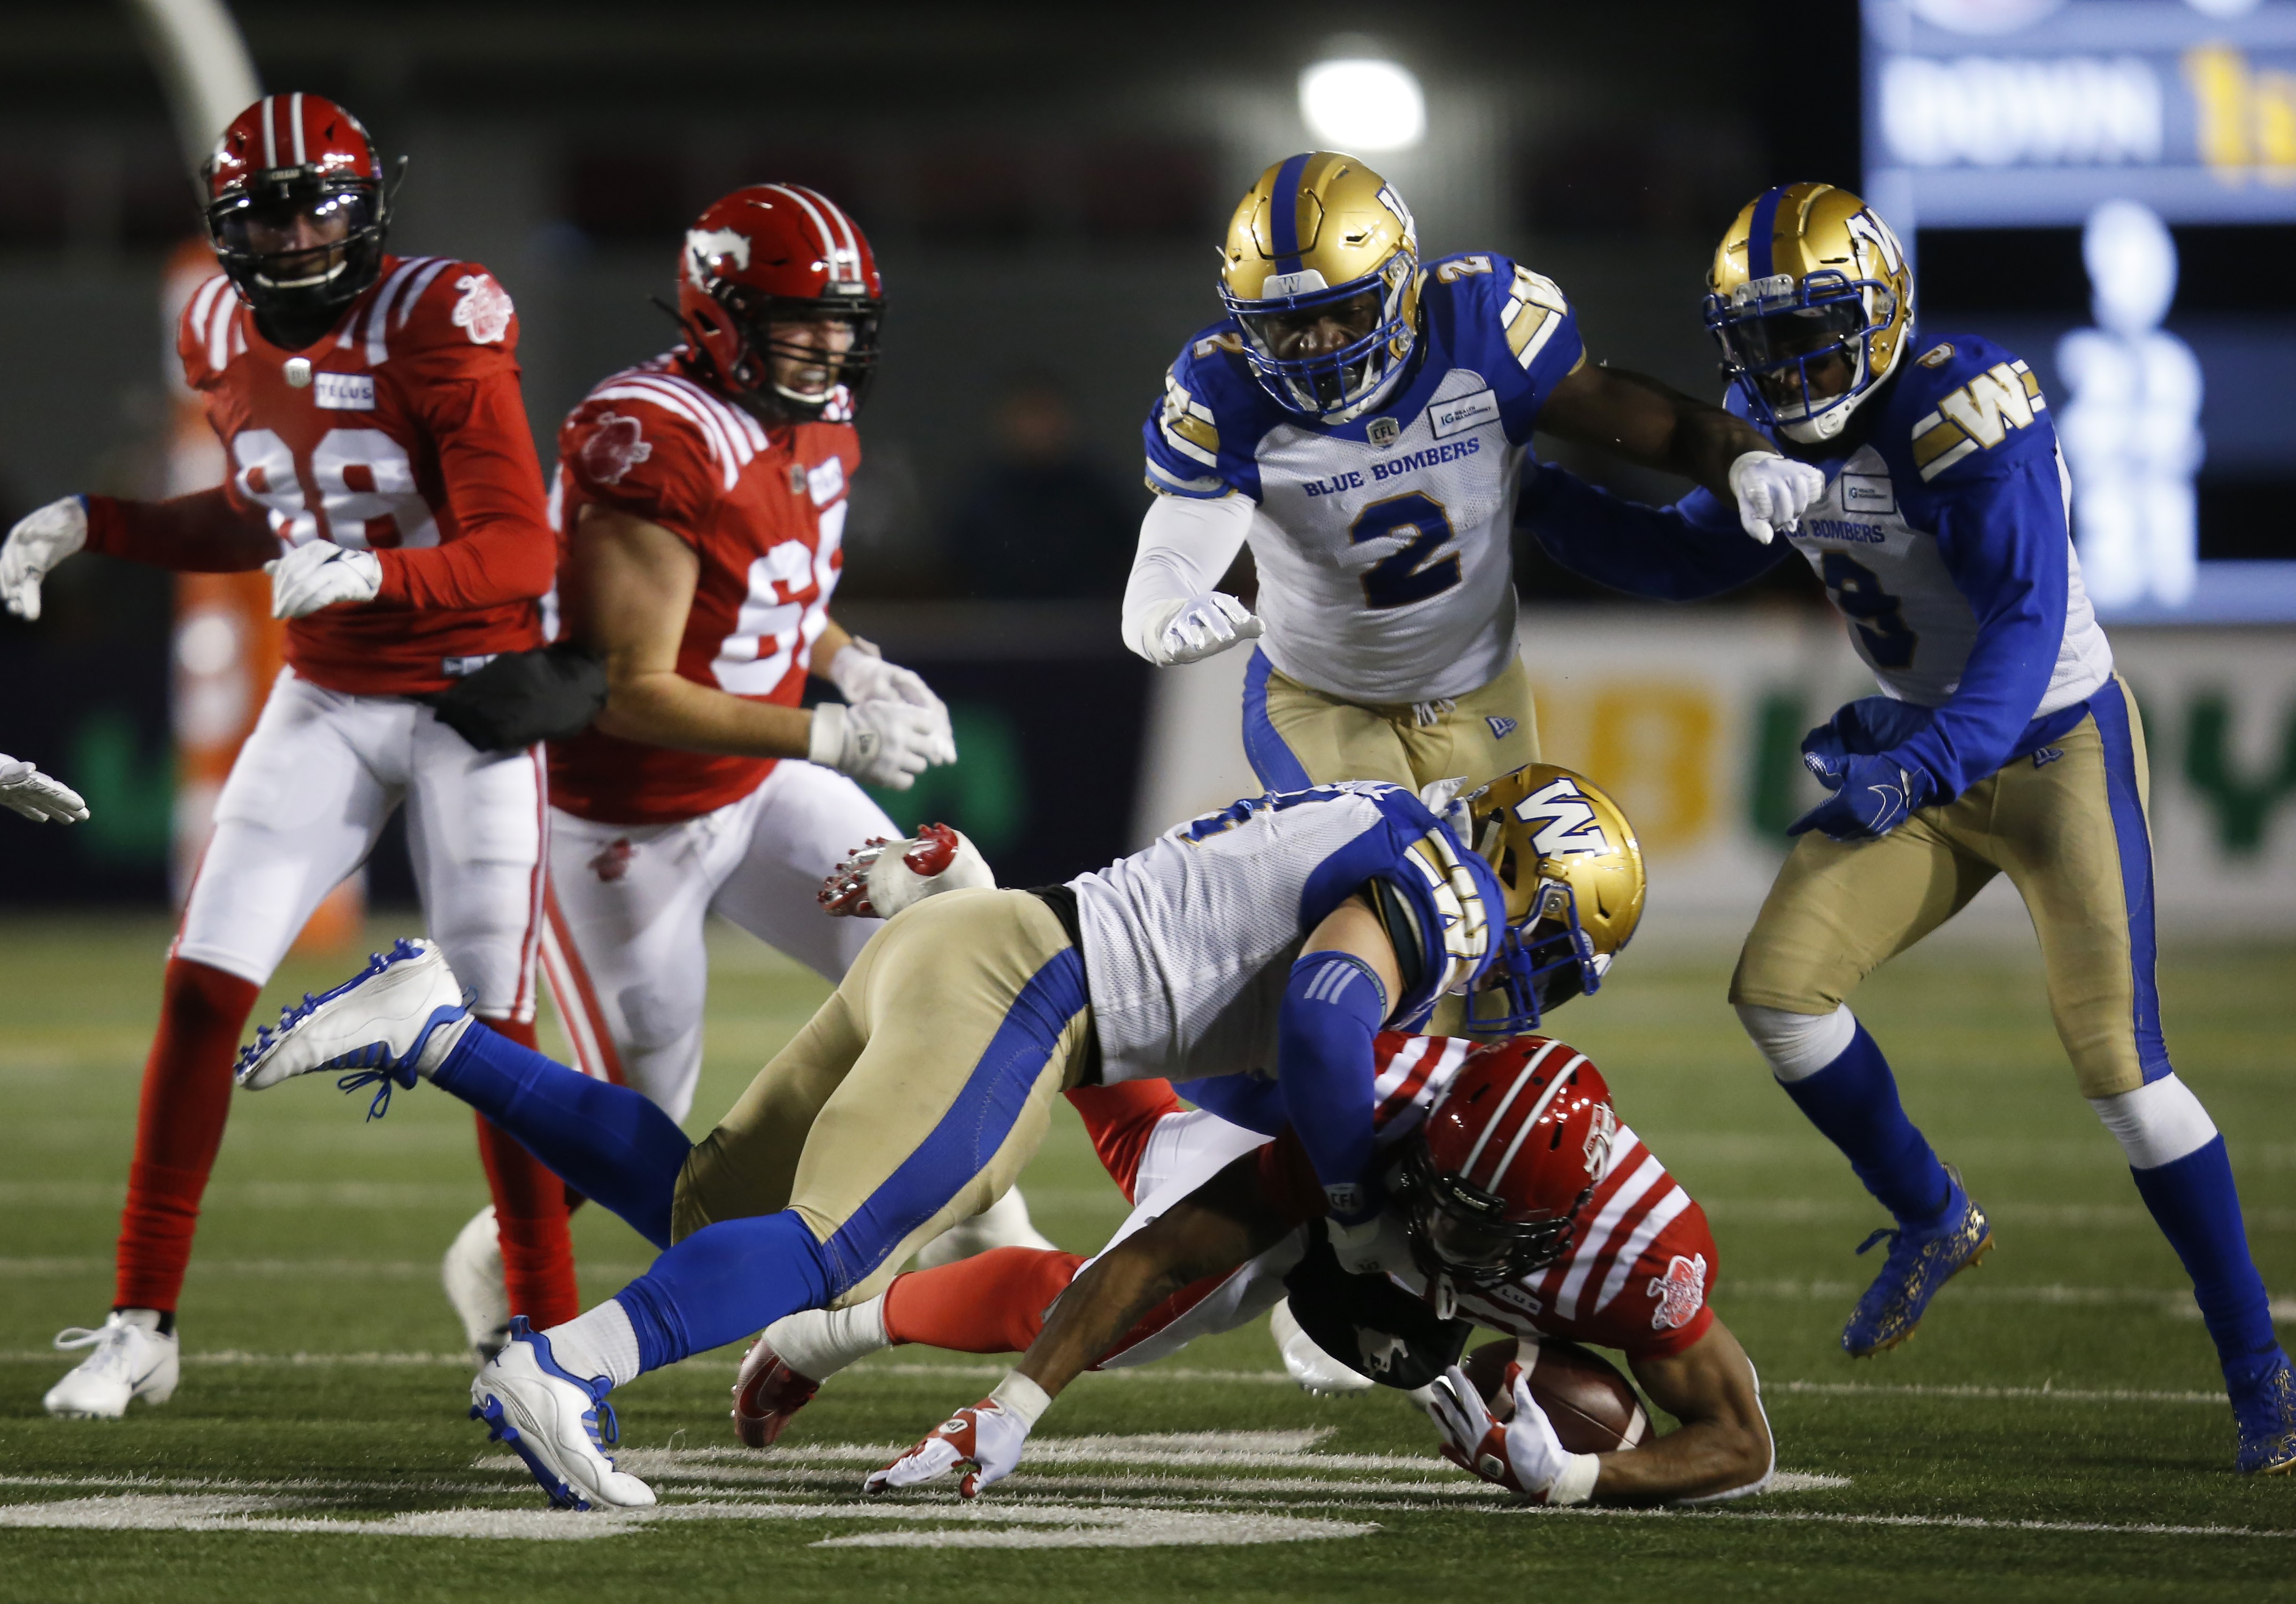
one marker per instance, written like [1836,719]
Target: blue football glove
[1871,797]
[1871,725]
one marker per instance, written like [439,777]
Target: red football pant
[178,1127]
[1119,1118]
[530,1208]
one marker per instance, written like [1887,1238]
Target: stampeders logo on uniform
[613,860]
[1680,1293]
[616,444]
[485,309]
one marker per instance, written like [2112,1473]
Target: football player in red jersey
[382,469]
[1520,1202]
[701,499]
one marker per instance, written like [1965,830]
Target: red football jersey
[1640,1264]
[402,431]
[764,509]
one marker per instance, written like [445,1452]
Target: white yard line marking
[272,1269]
[2076,1216]
[2051,1395]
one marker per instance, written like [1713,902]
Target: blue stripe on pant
[1276,764]
[2114,718]
[969,1135]
[738,1276]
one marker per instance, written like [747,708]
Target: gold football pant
[915,1094]
[1297,737]
[2066,824]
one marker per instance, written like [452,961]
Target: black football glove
[1369,1323]
[524,697]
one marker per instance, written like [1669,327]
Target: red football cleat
[766,1394]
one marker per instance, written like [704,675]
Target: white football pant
[625,950]
[310,791]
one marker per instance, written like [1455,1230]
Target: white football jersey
[1384,544]
[1188,945]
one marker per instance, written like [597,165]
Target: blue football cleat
[557,1422]
[395,1019]
[1920,1261]
[2266,1411]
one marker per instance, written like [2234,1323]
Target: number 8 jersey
[1384,543]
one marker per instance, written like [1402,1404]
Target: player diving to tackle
[1282,932]
[702,498]
[1516,1200]
[2003,743]
[382,469]
[1360,420]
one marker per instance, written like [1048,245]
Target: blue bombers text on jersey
[1382,542]
[1943,540]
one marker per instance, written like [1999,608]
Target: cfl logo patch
[1563,821]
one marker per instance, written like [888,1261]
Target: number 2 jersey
[763,509]
[401,431]
[1384,543]
[1942,538]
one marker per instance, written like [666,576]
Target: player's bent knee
[2156,1124]
[1798,1045]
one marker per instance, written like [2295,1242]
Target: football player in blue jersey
[1281,934]
[2003,744]
[1360,418]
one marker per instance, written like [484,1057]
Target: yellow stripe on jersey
[1532,314]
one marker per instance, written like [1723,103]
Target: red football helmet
[774,253]
[1506,1160]
[297,209]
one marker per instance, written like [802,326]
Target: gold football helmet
[1571,871]
[1323,237]
[1809,278]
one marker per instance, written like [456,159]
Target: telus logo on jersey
[344,392]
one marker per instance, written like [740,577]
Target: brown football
[1595,1408]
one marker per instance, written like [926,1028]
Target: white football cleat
[557,1422]
[131,1360]
[1316,1371]
[395,1019]
[1003,1223]
[472,1271]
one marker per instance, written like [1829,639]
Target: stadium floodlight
[1362,104]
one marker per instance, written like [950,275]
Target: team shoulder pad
[1529,307]
[207,334]
[650,436]
[1968,397]
[435,306]
[1207,389]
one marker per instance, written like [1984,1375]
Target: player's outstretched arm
[1343,987]
[1636,417]
[630,587]
[40,798]
[1172,614]
[1722,1447]
[1684,552]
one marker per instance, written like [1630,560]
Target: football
[1593,1408]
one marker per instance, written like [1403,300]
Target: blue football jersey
[1383,544]
[1943,540]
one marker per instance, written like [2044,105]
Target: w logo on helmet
[1562,821]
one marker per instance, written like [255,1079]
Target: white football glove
[879,877]
[38,797]
[1523,1455]
[318,574]
[1773,490]
[1190,631]
[886,743]
[988,1436]
[40,540]
[861,674]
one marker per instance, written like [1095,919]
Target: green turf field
[2056,1431]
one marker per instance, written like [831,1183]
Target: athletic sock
[606,1141]
[724,1282]
[819,1343]
[1853,1101]
[2197,1207]
[600,1343]
[529,1211]
[178,1127]
[992,1302]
